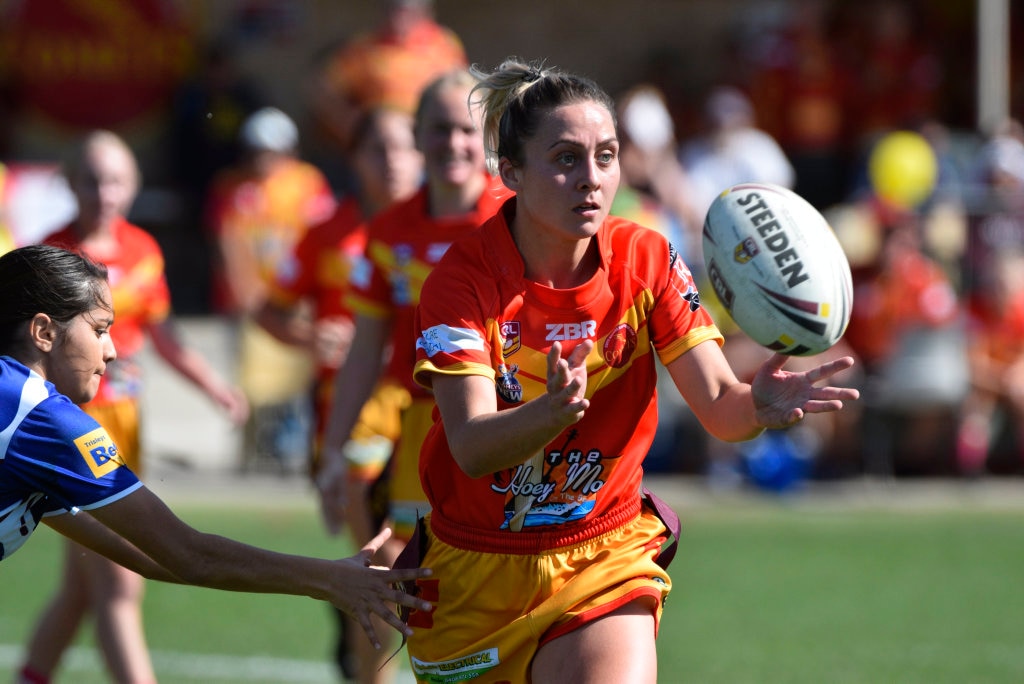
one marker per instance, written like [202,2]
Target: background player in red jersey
[538,336]
[405,242]
[388,168]
[104,177]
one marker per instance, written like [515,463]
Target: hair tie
[532,74]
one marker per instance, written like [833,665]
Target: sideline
[200,667]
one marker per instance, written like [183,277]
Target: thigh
[618,647]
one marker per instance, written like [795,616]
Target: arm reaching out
[163,547]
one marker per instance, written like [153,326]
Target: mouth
[587,209]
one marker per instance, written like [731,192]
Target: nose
[109,352]
[589,176]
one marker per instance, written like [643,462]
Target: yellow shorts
[373,436]
[121,421]
[493,611]
[407,502]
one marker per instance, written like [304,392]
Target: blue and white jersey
[54,458]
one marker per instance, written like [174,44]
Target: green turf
[763,593]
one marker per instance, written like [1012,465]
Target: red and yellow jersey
[379,69]
[405,244]
[479,315]
[269,215]
[318,268]
[141,298]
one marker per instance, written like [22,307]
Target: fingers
[374,544]
[578,357]
[554,360]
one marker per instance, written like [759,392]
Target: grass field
[765,591]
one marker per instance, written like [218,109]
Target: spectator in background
[732,150]
[906,328]
[405,243]
[800,88]
[104,177]
[993,413]
[655,193]
[388,168]
[257,212]
[206,115]
[387,66]
[991,434]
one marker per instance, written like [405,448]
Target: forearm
[216,562]
[732,417]
[495,441]
[284,326]
[356,379]
[90,533]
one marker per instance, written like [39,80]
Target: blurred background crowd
[895,118]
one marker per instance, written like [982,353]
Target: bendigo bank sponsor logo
[99,452]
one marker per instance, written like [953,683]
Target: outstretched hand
[782,398]
[363,589]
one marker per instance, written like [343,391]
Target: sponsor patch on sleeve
[444,338]
[99,452]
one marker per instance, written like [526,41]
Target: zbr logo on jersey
[99,452]
[570,331]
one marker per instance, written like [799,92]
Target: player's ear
[509,173]
[43,332]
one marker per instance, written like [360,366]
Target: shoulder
[131,233]
[628,241]
[400,217]
[478,261]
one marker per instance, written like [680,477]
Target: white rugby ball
[778,268]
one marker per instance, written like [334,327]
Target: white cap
[270,129]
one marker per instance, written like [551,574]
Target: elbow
[470,465]
[468,460]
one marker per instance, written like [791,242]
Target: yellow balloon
[903,169]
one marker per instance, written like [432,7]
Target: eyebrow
[565,141]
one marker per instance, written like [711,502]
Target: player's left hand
[782,398]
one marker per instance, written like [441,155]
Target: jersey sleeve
[678,322]
[64,453]
[451,326]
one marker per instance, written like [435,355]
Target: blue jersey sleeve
[58,459]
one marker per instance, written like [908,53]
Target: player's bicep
[460,399]
[145,521]
[90,532]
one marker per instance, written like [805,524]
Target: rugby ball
[778,268]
